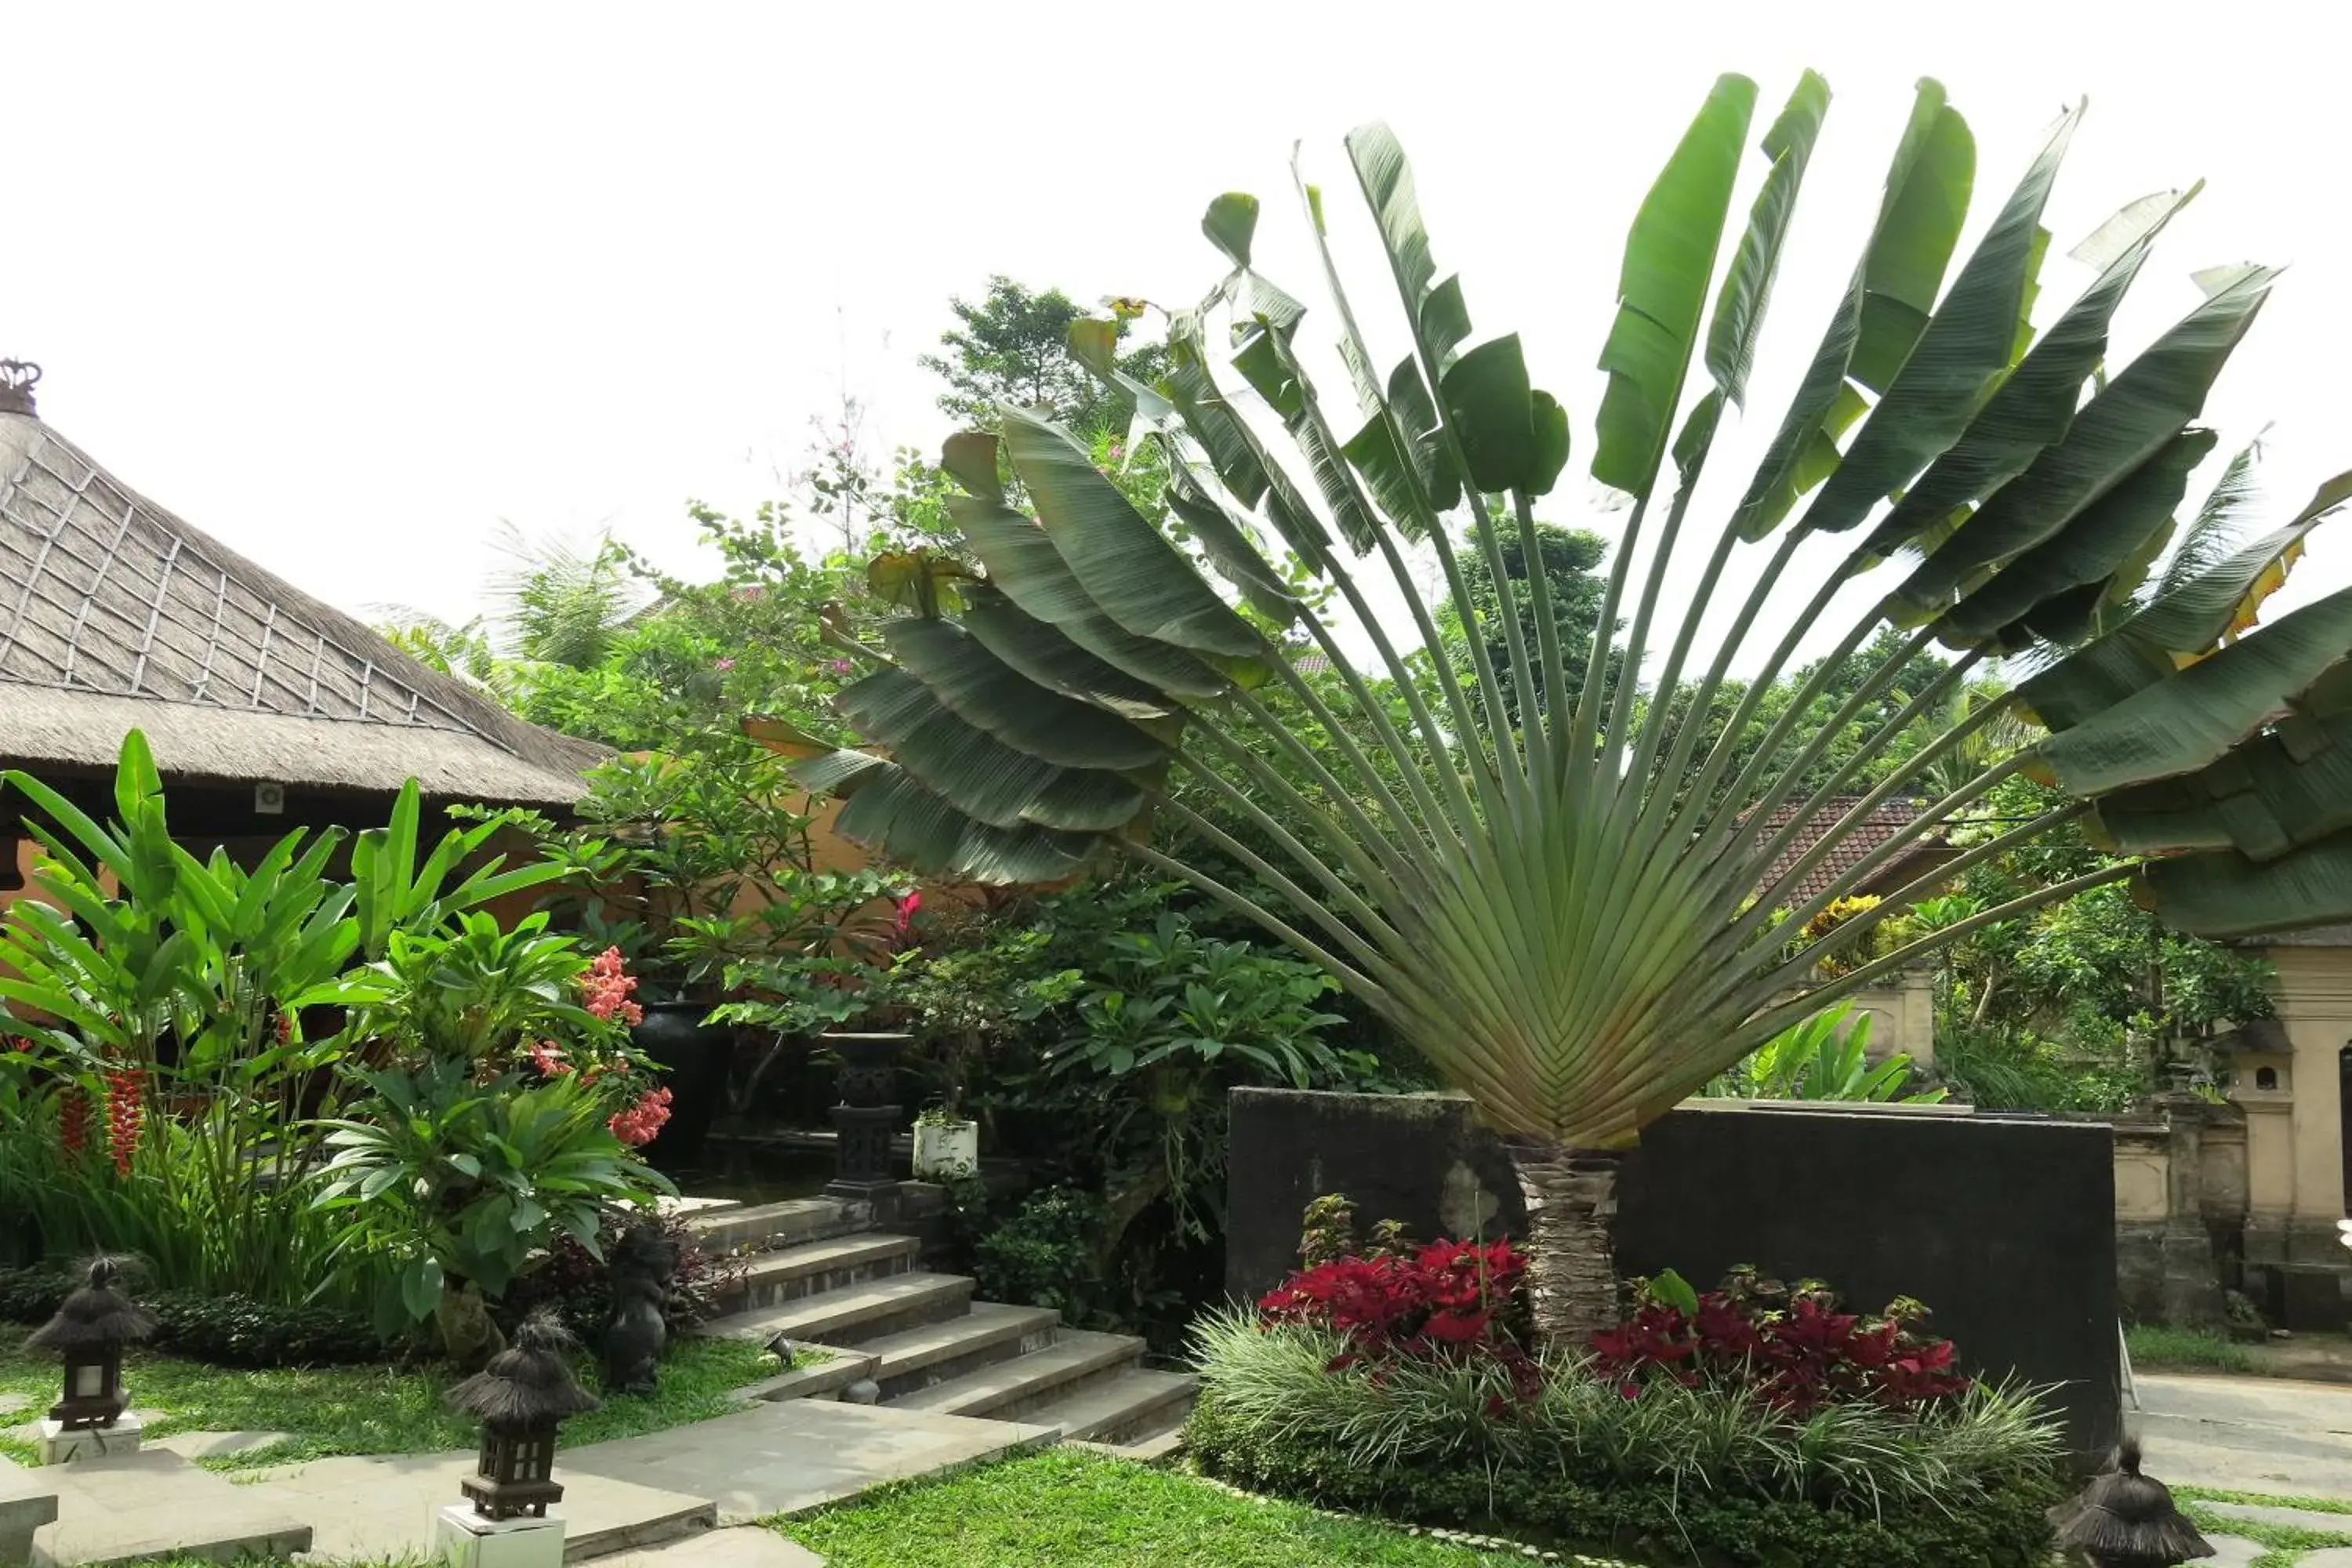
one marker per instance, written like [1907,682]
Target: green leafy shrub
[1045,1254]
[1655,1519]
[1676,1476]
[226,1331]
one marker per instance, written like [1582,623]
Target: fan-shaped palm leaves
[1576,917]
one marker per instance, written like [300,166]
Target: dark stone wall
[2004,1226]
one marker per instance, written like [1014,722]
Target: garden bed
[373,1409]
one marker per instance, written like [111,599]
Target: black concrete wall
[2004,1226]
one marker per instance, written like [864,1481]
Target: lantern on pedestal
[520,1398]
[2126,1520]
[87,1336]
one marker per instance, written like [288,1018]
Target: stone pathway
[789,1457]
[152,1503]
[2252,1435]
[2248,1435]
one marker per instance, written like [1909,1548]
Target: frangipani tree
[1575,917]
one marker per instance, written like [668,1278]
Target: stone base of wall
[2166,1275]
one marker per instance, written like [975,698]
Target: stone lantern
[87,1336]
[2126,1520]
[520,1398]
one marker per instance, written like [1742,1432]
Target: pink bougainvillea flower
[724,664]
[548,1059]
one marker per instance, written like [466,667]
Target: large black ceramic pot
[694,1057]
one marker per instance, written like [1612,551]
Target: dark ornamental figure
[2126,1520]
[520,1398]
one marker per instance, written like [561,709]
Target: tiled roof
[1884,822]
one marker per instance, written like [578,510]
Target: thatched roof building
[115,614]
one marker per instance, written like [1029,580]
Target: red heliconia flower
[642,1123]
[605,990]
[909,902]
[73,1121]
[126,1112]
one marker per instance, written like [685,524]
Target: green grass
[374,1410]
[2282,1544]
[2155,1349]
[1068,1507]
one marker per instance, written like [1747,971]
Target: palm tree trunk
[1571,1200]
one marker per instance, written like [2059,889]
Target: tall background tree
[1013,345]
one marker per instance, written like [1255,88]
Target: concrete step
[764,1226]
[854,1314]
[1132,1407]
[123,1507]
[1074,1361]
[1156,1449]
[915,1359]
[772,1279]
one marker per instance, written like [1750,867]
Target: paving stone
[12,1403]
[742,1546]
[385,1507]
[212,1445]
[153,1504]
[799,1454]
[2328,1557]
[2296,1517]
[2231,1552]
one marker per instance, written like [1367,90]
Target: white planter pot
[949,1149]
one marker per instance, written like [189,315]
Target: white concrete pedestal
[58,1445]
[463,1538]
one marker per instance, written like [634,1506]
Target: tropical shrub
[1790,1349]
[1444,1300]
[226,1329]
[504,1112]
[1579,919]
[1825,1057]
[178,1019]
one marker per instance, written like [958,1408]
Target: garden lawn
[1065,1505]
[371,1409]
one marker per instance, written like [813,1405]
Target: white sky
[347,285]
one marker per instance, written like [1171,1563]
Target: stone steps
[1128,1412]
[854,1313]
[917,1359]
[725,1228]
[1074,1361]
[817,1274]
[812,1267]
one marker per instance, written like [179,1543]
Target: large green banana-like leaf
[1574,922]
[2180,625]
[1882,313]
[2224,894]
[1662,288]
[2034,406]
[2095,545]
[2132,419]
[1956,360]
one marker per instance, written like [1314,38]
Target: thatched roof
[115,614]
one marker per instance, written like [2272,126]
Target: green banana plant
[1578,918]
